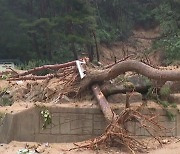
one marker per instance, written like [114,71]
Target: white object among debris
[80,68]
[20,82]
[4,65]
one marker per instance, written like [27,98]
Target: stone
[174,86]
[139,80]
[64,99]
[165,141]
[121,98]
[40,149]
[175,98]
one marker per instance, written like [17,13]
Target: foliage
[5,101]
[60,30]
[25,151]
[167,14]
[47,30]
[171,45]
[164,103]
[32,64]
[170,115]
[2,115]
[46,117]
[165,91]
[5,76]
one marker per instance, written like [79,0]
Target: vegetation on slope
[60,30]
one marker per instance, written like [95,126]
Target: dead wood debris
[29,86]
[117,132]
[67,79]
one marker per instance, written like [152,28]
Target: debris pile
[49,83]
[56,83]
[118,134]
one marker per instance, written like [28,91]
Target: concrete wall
[70,124]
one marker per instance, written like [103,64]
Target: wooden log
[52,67]
[104,105]
[111,89]
[35,77]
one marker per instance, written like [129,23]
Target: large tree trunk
[125,66]
[45,67]
[90,52]
[97,50]
[108,113]
[73,49]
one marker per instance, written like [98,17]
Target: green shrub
[165,91]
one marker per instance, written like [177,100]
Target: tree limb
[53,67]
[129,65]
[104,105]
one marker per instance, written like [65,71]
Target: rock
[174,86]
[139,80]
[121,98]
[40,149]
[65,99]
[6,100]
[20,82]
[174,98]
[165,141]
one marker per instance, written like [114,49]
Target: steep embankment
[139,45]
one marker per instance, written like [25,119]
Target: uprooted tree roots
[117,132]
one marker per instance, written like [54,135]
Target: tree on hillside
[168,15]
[51,28]
[76,22]
[61,30]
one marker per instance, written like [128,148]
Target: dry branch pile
[117,133]
[51,87]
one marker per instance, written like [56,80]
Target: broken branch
[104,105]
[53,67]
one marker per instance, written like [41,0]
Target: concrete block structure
[72,124]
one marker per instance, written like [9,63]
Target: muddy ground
[171,146]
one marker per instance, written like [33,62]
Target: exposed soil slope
[138,45]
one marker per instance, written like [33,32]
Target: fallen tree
[99,76]
[117,131]
[118,134]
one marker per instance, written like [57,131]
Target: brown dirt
[171,146]
[137,45]
[58,148]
